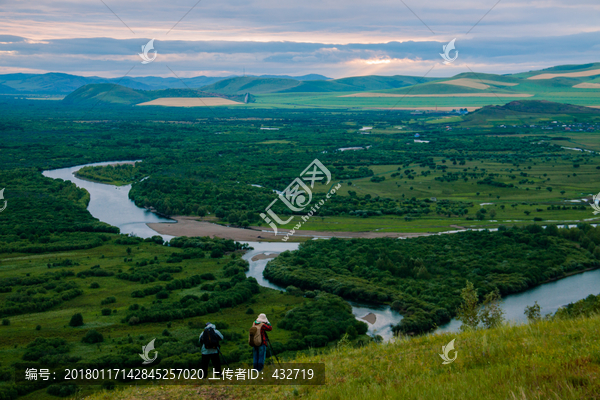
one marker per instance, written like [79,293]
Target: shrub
[467,312]
[108,300]
[61,390]
[294,291]
[108,385]
[163,294]
[316,340]
[76,320]
[165,277]
[221,325]
[6,322]
[533,312]
[216,253]
[94,285]
[106,311]
[92,337]
[249,311]
[38,328]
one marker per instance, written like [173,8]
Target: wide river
[111,204]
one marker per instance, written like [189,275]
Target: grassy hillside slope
[556,359]
[559,69]
[258,85]
[109,93]
[525,111]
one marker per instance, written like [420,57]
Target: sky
[283,37]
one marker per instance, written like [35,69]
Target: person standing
[210,339]
[258,340]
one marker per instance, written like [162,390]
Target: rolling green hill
[536,107]
[250,84]
[462,90]
[559,69]
[59,83]
[256,85]
[108,93]
[527,111]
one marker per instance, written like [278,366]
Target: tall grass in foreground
[557,359]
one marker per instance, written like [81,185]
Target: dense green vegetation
[205,162]
[72,289]
[422,277]
[120,174]
[46,215]
[59,307]
[582,308]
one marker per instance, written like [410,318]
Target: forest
[422,277]
[71,285]
[223,166]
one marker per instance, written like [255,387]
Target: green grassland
[110,257]
[512,206]
[549,359]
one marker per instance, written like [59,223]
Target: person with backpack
[258,340]
[210,339]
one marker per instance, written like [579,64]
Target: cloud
[284,37]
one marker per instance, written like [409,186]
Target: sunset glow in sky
[332,38]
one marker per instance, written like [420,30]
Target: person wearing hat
[210,339]
[259,352]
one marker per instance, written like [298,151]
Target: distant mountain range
[577,84]
[59,83]
[260,85]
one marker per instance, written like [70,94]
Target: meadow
[558,358]
[120,337]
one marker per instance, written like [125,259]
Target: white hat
[262,318]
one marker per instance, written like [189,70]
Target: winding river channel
[111,204]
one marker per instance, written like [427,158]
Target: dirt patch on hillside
[433,108]
[587,85]
[191,226]
[581,74]
[440,95]
[470,83]
[190,102]
[476,83]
